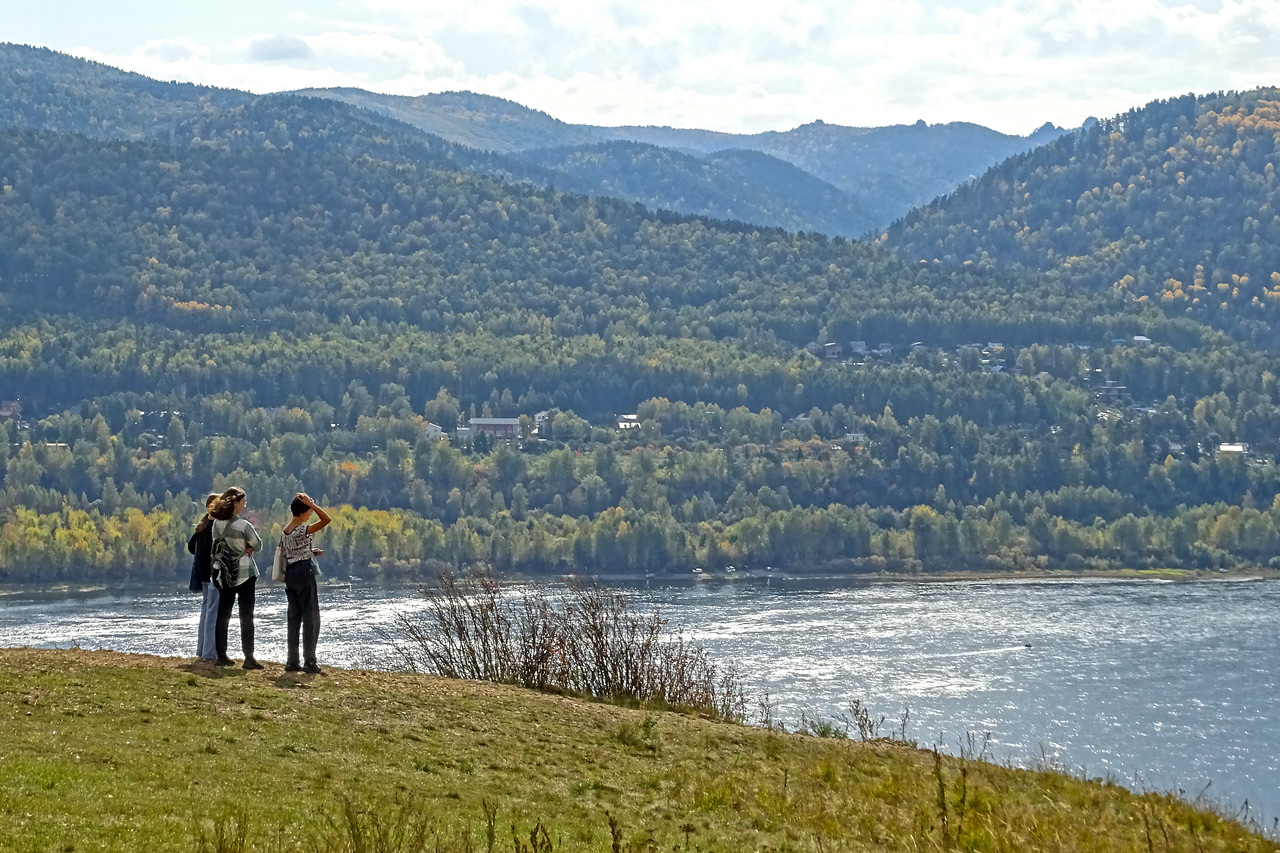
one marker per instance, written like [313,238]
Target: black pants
[303,614]
[245,593]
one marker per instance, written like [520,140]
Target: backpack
[225,563]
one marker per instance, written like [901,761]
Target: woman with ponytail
[241,541]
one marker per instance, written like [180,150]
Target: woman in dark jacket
[200,544]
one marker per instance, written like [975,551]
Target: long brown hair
[224,507]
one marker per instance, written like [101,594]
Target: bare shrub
[861,719]
[588,642]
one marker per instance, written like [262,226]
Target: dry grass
[104,751]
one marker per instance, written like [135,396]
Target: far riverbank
[754,575]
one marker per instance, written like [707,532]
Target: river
[1165,686]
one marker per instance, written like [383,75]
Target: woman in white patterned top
[300,583]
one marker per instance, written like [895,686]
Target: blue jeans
[205,647]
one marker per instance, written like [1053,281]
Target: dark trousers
[244,593]
[303,615]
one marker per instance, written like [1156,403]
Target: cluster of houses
[992,352]
[508,429]
[992,357]
[833,349]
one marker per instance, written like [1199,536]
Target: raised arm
[316,526]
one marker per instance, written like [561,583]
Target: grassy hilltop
[106,751]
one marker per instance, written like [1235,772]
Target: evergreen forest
[1069,363]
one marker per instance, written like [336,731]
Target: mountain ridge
[878,173]
[929,160]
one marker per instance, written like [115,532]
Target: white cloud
[273,48]
[731,65]
[172,50]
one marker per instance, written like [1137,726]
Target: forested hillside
[1176,204]
[44,90]
[270,299]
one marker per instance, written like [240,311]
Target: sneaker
[313,669]
[224,662]
[292,667]
[250,663]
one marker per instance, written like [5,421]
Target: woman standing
[199,545]
[300,583]
[241,541]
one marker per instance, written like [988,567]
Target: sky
[729,65]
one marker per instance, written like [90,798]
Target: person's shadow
[206,669]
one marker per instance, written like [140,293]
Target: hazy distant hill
[884,171]
[888,170]
[1176,203]
[736,185]
[478,121]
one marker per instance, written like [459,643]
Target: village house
[506,429]
[856,440]
[1110,391]
[10,410]
[628,421]
[542,422]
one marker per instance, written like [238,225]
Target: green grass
[104,751]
